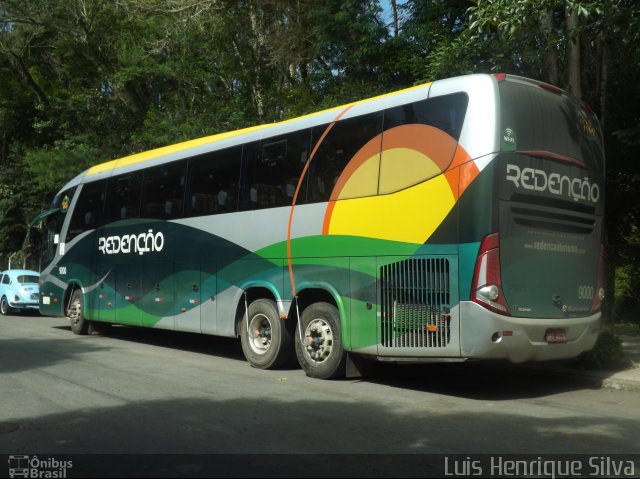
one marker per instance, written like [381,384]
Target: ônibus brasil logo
[33,467]
[134,243]
[554,183]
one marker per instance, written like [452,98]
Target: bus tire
[75,313]
[266,341]
[320,351]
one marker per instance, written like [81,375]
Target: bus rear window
[541,120]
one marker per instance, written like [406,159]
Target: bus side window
[420,140]
[123,197]
[351,140]
[163,190]
[88,211]
[443,112]
[213,183]
[271,171]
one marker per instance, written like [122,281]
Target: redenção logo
[555,183]
[135,243]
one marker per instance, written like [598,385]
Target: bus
[456,220]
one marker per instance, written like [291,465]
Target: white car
[19,291]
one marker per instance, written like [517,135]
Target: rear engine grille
[415,303]
[552,215]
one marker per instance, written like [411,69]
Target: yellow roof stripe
[185,145]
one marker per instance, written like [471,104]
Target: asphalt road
[134,391]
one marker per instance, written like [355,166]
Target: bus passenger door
[158,303]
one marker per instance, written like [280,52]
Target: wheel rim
[318,340]
[259,334]
[4,308]
[75,312]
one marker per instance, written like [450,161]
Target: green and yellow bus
[460,219]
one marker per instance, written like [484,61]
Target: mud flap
[358,367]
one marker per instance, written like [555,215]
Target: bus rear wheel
[319,342]
[75,313]
[266,341]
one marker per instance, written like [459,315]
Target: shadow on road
[23,354]
[494,381]
[228,348]
[275,426]
[484,381]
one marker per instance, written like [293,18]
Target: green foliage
[627,277]
[13,230]
[52,166]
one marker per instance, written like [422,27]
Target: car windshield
[27,278]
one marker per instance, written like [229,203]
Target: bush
[607,353]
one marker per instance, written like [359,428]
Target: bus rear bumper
[487,335]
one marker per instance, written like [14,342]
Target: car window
[6,279]
[27,278]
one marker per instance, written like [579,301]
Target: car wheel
[4,306]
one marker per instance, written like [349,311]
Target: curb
[621,384]
[597,380]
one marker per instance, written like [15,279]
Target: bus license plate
[556,335]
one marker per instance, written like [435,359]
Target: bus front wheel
[75,313]
[319,342]
[266,341]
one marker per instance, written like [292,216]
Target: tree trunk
[603,77]
[573,52]
[21,72]
[550,47]
[257,44]
[394,11]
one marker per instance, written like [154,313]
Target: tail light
[486,288]
[551,88]
[599,296]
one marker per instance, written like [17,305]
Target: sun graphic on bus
[407,207]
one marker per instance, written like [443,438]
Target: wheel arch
[249,293]
[72,285]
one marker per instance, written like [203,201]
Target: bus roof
[230,138]
[481,139]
